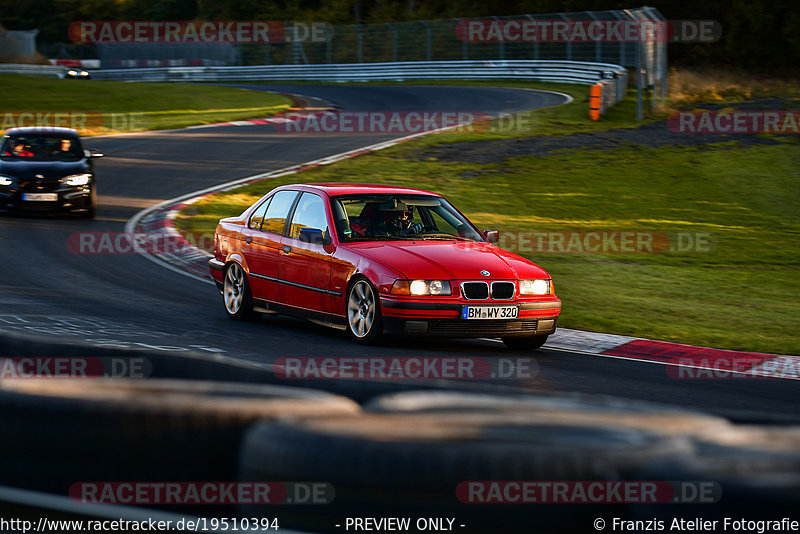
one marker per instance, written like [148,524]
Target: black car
[47,170]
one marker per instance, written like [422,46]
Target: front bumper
[443,319]
[69,200]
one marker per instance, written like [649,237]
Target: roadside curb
[692,362]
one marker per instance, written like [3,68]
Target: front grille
[503,290]
[475,290]
[488,328]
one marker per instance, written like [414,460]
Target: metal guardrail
[614,77]
[545,70]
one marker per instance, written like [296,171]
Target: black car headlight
[5,180]
[77,180]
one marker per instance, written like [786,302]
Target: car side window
[277,211]
[257,218]
[309,213]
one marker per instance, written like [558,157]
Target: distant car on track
[47,170]
[77,74]
[376,260]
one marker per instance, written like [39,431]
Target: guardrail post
[536,41]
[428,41]
[598,50]
[639,84]
[501,44]
[464,43]
[360,45]
[394,40]
[328,45]
[569,42]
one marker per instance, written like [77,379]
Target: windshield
[398,217]
[40,147]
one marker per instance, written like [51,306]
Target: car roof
[42,129]
[336,189]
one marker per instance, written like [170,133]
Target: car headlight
[534,287]
[419,288]
[84,73]
[77,179]
[5,180]
[72,72]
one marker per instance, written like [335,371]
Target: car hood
[446,260]
[48,169]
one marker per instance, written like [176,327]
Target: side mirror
[492,236]
[312,235]
[93,153]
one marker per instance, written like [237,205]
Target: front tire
[236,294]
[525,343]
[91,211]
[364,320]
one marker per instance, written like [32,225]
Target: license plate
[489,312]
[40,197]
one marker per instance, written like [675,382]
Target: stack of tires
[415,454]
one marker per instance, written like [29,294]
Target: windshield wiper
[381,238]
[445,237]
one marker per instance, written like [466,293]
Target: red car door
[263,239]
[305,266]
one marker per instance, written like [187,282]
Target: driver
[400,222]
[64,149]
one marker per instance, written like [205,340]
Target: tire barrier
[756,468]
[63,431]
[557,409]
[417,464]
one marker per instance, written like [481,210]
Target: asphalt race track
[127,301]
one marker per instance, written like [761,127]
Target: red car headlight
[535,287]
[420,288]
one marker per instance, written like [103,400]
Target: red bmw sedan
[376,259]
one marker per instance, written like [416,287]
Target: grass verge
[739,293]
[114,107]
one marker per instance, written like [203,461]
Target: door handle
[286,249]
[248,239]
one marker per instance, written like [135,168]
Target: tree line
[760,35]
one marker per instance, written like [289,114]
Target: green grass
[110,106]
[741,294]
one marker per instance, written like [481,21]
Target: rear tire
[236,294]
[525,343]
[363,307]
